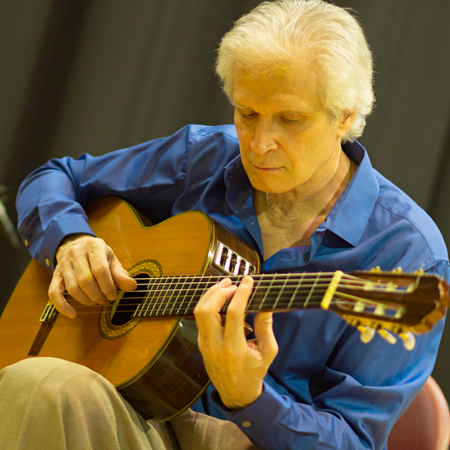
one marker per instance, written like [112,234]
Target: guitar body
[154,363]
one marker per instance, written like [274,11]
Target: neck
[289,219]
[309,202]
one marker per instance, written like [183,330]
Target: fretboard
[178,296]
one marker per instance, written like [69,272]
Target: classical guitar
[145,341]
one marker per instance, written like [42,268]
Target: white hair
[275,35]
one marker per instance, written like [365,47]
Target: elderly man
[290,180]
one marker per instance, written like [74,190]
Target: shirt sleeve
[363,390]
[51,199]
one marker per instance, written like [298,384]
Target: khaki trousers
[51,404]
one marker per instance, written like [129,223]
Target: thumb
[263,326]
[121,277]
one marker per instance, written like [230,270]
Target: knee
[41,372]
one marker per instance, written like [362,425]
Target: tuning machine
[409,340]
[388,337]
[367,334]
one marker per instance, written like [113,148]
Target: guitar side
[158,362]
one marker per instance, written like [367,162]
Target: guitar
[145,342]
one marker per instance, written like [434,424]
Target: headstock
[388,302]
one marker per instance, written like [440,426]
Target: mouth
[267,169]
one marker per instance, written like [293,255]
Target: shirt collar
[360,195]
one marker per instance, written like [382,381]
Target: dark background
[96,75]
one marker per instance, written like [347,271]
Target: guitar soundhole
[130,301]
[116,320]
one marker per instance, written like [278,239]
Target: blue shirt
[325,389]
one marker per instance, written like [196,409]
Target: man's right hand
[89,271]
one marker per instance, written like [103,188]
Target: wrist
[66,242]
[236,404]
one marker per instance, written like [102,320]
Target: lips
[266,169]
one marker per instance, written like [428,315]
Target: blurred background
[96,75]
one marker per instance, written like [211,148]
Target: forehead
[293,88]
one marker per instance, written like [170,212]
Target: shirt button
[47,261]
[246,424]
[27,243]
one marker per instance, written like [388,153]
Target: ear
[345,121]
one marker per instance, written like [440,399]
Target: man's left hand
[236,366]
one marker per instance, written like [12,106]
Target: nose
[263,139]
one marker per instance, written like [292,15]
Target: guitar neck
[178,296]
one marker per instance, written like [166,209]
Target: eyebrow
[237,105]
[285,112]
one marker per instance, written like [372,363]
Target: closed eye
[247,114]
[290,121]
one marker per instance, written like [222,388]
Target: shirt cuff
[257,419]
[56,233]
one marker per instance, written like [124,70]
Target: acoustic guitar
[145,342]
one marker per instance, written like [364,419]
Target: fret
[153,297]
[194,297]
[278,291]
[174,299]
[159,300]
[281,292]
[268,288]
[140,307]
[251,307]
[311,290]
[294,295]
[168,299]
[181,297]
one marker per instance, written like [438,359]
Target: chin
[271,188]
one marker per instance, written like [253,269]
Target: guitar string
[257,278]
[211,281]
[261,280]
[182,310]
[164,286]
[165,296]
[155,287]
[80,309]
[291,275]
[194,290]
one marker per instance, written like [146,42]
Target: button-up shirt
[325,389]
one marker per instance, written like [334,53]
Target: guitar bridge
[47,319]
[230,263]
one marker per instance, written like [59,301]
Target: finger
[235,323]
[100,288]
[121,277]
[207,312]
[207,295]
[265,337]
[82,285]
[208,315]
[56,295]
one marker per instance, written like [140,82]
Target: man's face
[286,139]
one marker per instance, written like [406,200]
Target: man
[288,179]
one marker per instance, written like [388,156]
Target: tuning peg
[367,333]
[376,269]
[409,340]
[387,336]
[397,270]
